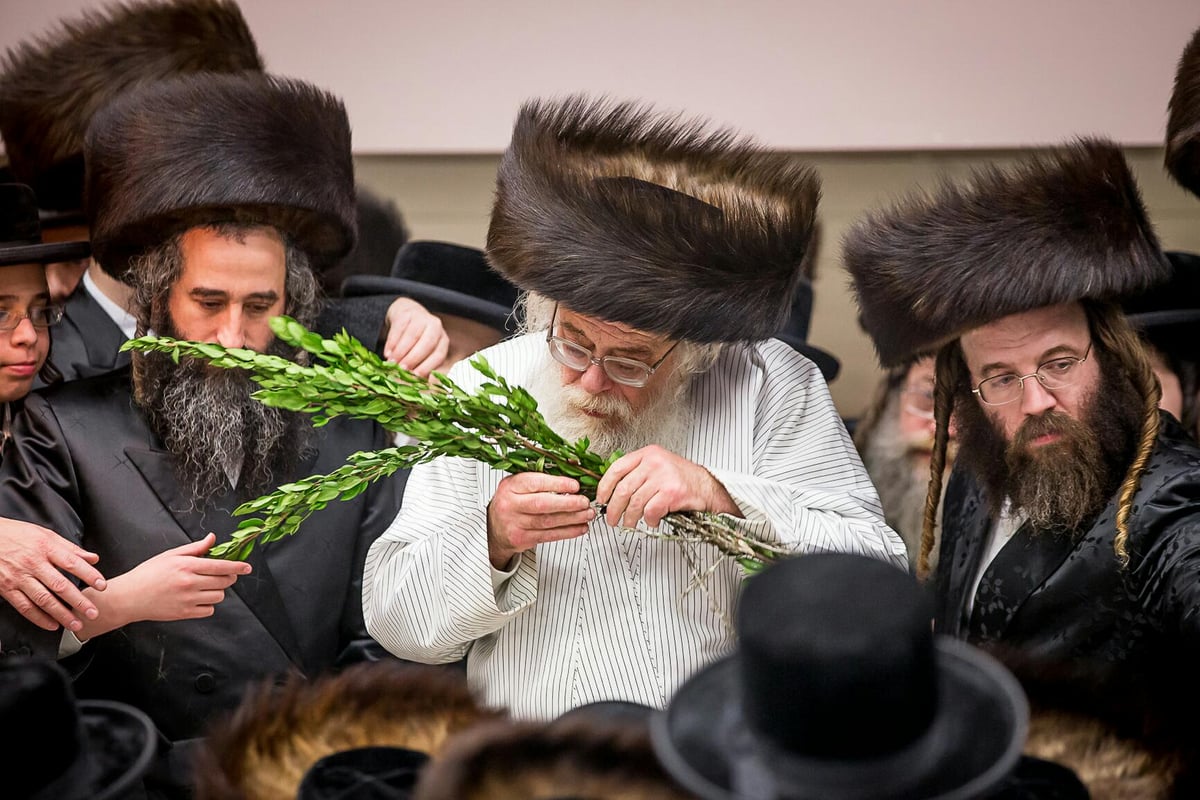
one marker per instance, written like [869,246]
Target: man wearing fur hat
[1071,536]
[216,206]
[658,260]
[50,89]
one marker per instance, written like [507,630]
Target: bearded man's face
[220,437]
[614,416]
[1056,453]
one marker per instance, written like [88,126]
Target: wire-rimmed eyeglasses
[38,316]
[625,371]
[1056,373]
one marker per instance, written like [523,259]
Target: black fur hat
[1183,120]
[1069,225]
[203,149]
[50,88]
[651,221]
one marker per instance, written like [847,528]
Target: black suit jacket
[1062,610]
[87,341]
[84,463]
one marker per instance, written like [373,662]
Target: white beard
[666,420]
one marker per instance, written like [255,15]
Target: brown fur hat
[1064,226]
[263,749]
[1183,120]
[50,88]
[581,757]
[202,149]
[650,221]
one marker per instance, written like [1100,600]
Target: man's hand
[31,558]
[179,583]
[415,338]
[652,482]
[531,508]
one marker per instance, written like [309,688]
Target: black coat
[1120,641]
[87,341]
[84,463]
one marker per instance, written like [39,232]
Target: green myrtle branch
[498,424]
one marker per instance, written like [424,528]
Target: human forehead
[240,255]
[23,281]
[600,332]
[921,373]
[1022,340]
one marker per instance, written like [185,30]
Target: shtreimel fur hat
[1069,225]
[50,88]
[651,221]
[204,149]
[1183,121]
[265,747]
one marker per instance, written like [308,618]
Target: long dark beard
[212,427]
[1060,486]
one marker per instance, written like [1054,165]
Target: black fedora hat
[840,690]
[1169,313]
[795,333]
[55,748]
[445,277]
[21,231]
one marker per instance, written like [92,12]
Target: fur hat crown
[1183,120]
[1059,227]
[651,221]
[52,87]
[205,149]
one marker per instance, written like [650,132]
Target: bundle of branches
[499,424]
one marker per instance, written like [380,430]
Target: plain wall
[449,198]
[802,75]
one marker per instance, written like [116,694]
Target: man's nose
[595,380]
[232,329]
[1036,399]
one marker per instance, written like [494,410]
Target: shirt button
[205,682]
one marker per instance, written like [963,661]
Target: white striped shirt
[611,615]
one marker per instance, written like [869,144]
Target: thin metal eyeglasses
[920,401]
[38,316]
[1056,373]
[625,371]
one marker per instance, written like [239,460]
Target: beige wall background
[449,198]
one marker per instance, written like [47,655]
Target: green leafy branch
[498,424]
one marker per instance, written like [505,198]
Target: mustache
[1051,422]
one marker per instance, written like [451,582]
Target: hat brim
[48,253]
[121,746]
[826,362]
[435,298]
[973,743]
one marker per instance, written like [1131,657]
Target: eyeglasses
[1054,374]
[38,316]
[919,401]
[625,371]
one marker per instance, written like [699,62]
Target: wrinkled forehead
[599,331]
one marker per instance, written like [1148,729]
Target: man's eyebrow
[202,292]
[631,351]
[1048,355]
[9,298]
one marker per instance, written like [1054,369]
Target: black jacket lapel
[258,590]
[964,532]
[100,336]
[1021,566]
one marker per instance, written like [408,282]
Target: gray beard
[665,421]
[902,483]
[218,436]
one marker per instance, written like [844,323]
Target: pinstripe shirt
[616,614]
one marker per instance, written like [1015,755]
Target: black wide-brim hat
[54,747]
[446,278]
[1169,314]
[21,233]
[971,746]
